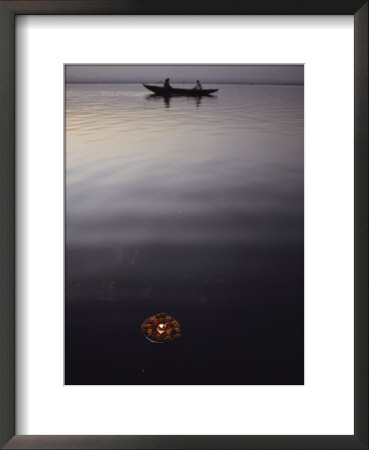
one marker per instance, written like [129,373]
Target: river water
[193,207]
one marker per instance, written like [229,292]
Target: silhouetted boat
[160,90]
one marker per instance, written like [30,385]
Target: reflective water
[190,206]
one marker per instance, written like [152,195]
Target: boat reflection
[190,99]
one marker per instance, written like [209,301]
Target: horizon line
[266,83]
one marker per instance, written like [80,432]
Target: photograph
[184,224]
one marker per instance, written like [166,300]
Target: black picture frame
[8,11]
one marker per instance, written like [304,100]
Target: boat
[167,92]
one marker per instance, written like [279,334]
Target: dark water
[193,207]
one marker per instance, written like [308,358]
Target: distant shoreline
[249,83]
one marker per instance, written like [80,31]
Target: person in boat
[198,85]
[166,84]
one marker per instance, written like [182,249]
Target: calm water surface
[193,207]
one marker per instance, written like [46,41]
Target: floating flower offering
[161,328]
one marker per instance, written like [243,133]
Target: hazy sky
[291,74]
